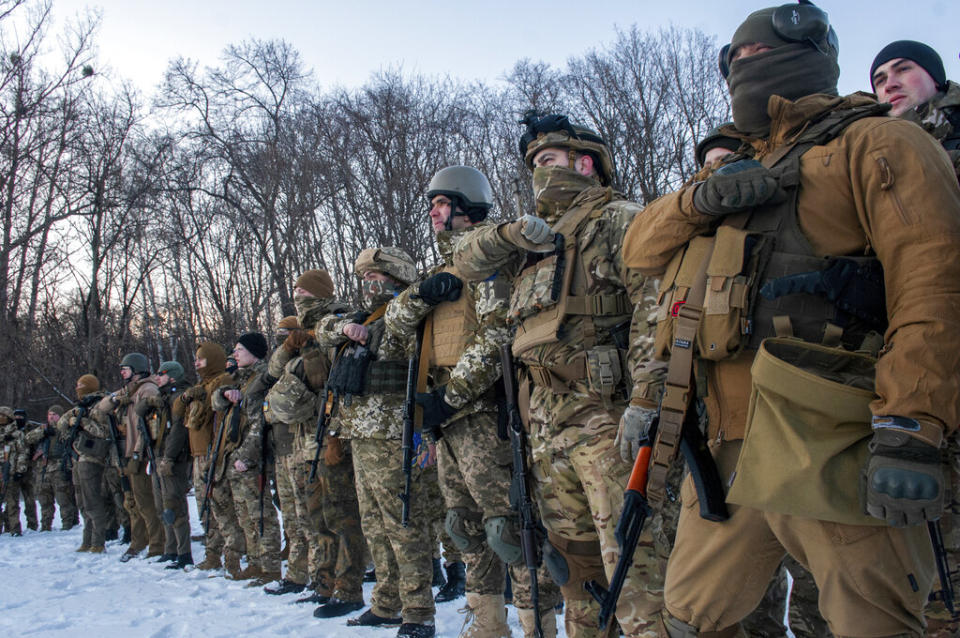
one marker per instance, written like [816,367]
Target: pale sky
[345,41]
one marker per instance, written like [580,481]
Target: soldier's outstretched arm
[405,312]
[329,330]
[485,252]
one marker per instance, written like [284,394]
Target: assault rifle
[945,593]
[409,423]
[115,438]
[147,444]
[321,432]
[45,454]
[264,459]
[66,461]
[633,515]
[529,525]
[211,472]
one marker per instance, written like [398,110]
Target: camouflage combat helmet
[6,415]
[555,130]
[467,187]
[136,362]
[389,260]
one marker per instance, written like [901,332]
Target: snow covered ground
[47,589]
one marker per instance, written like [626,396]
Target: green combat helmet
[173,370]
[390,260]
[136,362]
[555,130]
[468,188]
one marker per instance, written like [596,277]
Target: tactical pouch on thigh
[88,445]
[808,426]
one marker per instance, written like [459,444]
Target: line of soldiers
[796,303]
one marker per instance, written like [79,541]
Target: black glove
[436,410]
[736,187]
[439,288]
[88,401]
[903,480]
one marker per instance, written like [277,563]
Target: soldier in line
[575,311]
[28,484]
[247,460]
[53,486]
[369,378]
[446,557]
[14,462]
[463,328]
[202,425]
[829,177]
[163,414]
[330,502]
[909,76]
[86,435]
[146,531]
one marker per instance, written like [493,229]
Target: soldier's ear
[585,165]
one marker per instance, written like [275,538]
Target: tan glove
[529,233]
[296,340]
[193,393]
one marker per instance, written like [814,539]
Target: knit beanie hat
[255,342]
[916,51]
[87,384]
[56,408]
[316,282]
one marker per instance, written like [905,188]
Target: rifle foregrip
[638,476]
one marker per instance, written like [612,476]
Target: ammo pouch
[537,288]
[735,258]
[808,426]
[387,377]
[97,448]
[349,374]
[289,399]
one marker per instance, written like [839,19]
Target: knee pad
[458,518]
[674,628]
[555,563]
[582,562]
[504,539]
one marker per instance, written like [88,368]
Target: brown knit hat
[289,323]
[87,384]
[56,408]
[216,358]
[316,282]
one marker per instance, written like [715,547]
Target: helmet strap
[571,159]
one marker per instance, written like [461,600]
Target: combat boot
[316,598]
[210,561]
[96,549]
[548,620]
[182,561]
[165,558]
[336,607]
[231,563]
[251,571]
[265,578]
[486,616]
[416,630]
[285,587]
[46,527]
[456,583]
[83,548]
[438,579]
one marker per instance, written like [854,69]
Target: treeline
[145,223]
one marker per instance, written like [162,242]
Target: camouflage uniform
[474,463]
[436,512]
[53,485]
[940,117]
[28,484]
[14,461]
[373,422]
[92,452]
[579,474]
[263,551]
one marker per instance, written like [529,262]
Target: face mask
[555,187]
[309,310]
[377,293]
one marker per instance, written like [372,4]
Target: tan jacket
[137,391]
[883,186]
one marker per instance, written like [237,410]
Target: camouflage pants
[11,507]
[402,555]
[28,489]
[88,477]
[262,550]
[170,494]
[579,480]
[437,515]
[223,508]
[341,515]
[55,488]
[294,527]
[475,478]
[146,531]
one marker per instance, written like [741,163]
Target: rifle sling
[423,367]
[677,395]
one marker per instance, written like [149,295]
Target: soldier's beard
[555,187]
[377,293]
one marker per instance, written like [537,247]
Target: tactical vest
[553,289]
[451,325]
[358,372]
[763,278]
